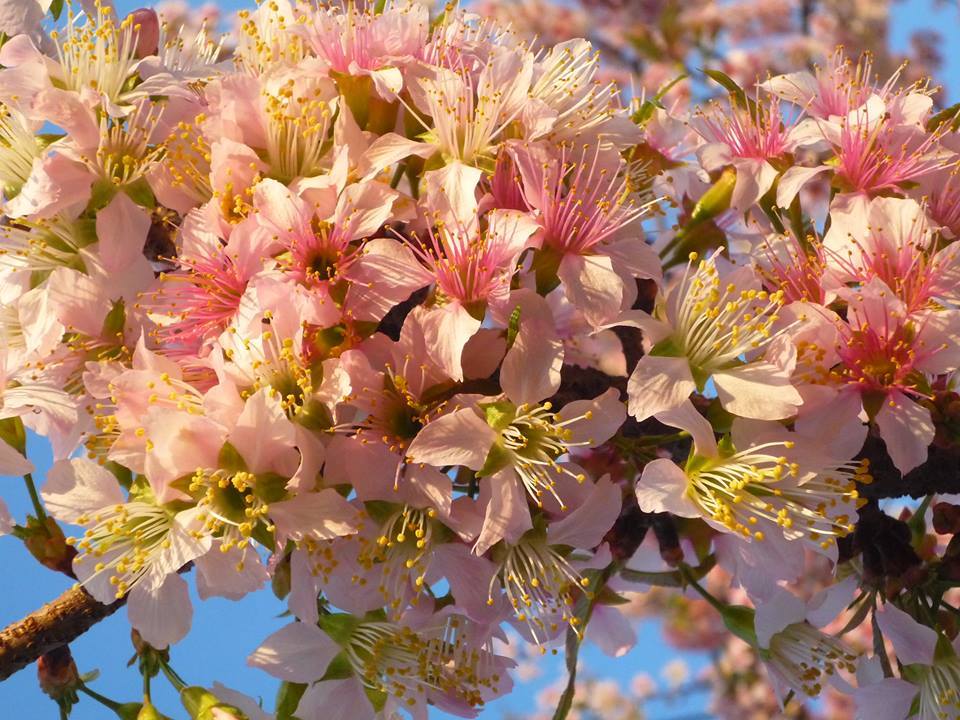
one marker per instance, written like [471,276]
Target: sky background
[225,632]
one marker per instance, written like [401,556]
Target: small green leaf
[288,697]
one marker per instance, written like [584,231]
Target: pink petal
[889,699]
[607,415]
[754,178]
[122,230]
[446,331]
[77,487]
[760,391]
[298,652]
[531,368]
[159,609]
[507,516]
[662,488]
[12,462]
[264,435]
[335,700]
[686,417]
[386,273]
[912,642]
[586,525]
[458,438]
[323,515]
[592,286]
[793,181]
[611,631]
[657,384]
[906,429]
[772,616]
[218,576]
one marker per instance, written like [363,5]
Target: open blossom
[588,219]
[753,140]
[881,357]
[762,493]
[702,330]
[929,690]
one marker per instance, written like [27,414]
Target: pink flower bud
[146,27]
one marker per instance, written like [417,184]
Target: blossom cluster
[361,304]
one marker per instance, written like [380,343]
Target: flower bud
[46,542]
[204,705]
[57,674]
[146,26]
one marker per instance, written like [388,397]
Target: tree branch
[55,624]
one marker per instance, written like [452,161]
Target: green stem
[175,680]
[35,497]
[692,581]
[105,701]
[146,686]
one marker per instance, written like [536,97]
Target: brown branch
[55,624]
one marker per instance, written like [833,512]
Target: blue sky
[226,632]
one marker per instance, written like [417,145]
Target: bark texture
[54,625]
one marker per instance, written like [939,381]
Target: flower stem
[105,701]
[35,497]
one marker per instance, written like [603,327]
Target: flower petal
[657,384]
[297,652]
[663,487]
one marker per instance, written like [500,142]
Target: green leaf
[288,697]
[737,94]
[947,115]
[56,9]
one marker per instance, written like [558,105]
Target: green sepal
[115,320]
[102,192]
[339,668]
[230,459]
[499,414]
[13,434]
[497,459]
[339,626]
[668,347]
[139,191]
[739,620]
